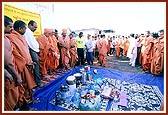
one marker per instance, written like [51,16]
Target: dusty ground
[120,64]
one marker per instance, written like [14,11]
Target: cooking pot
[71,80]
[78,76]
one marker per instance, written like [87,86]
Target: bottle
[115,103]
[84,77]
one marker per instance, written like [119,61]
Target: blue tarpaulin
[46,94]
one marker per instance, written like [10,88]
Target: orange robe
[126,46]
[141,41]
[73,52]
[146,64]
[157,63]
[54,60]
[44,47]
[121,45]
[65,46]
[22,57]
[11,94]
[117,49]
[103,52]
[108,45]
[143,44]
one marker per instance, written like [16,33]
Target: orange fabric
[22,57]
[141,41]
[54,61]
[11,94]
[117,49]
[44,47]
[157,63]
[108,45]
[121,45]
[143,44]
[46,30]
[73,52]
[146,62]
[126,46]
[65,45]
[103,52]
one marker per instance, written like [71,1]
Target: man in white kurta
[34,50]
[132,50]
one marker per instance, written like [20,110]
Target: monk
[11,77]
[121,45]
[143,45]
[64,42]
[147,54]
[157,63]
[108,45]
[73,51]
[103,51]
[23,62]
[117,48]
[58,50]
[126,46]
[45,47]
[141,41]
[55,54]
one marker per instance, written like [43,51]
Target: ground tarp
[45,95]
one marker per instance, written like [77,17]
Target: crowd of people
[28,60]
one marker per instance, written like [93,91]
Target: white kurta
[31,40]
[132,56]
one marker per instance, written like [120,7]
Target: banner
[24,15]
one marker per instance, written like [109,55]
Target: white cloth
[89,45]
[31,40]
[94,43]
[133,56]
[112,44]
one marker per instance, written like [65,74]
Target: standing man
[73,51]
[11,78]
[45,48]
[132,51]
[94,46]
[157,61]
[34,50]
[103,51]
[126,46]
[117,48]
[80,48]
[64,43]
[23,62]
[54,54]
[89,50]
[147,55]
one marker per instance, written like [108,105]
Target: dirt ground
[121,64]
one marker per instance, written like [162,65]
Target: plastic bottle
[84,77]
[115,103]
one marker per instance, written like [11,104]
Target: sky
[123,17]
